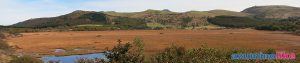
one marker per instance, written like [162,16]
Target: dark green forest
[289,24]
[235,22]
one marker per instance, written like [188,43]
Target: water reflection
[72,58]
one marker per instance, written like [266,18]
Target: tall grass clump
[2,36]
[15,32]
[25,59]
[4,45]
[5,51]
[96,60]
[297,32]
[53,61]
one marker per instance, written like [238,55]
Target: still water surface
[72,58]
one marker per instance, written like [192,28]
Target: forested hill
[161,17]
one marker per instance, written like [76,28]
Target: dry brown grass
[155,40]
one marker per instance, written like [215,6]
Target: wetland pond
[71,58]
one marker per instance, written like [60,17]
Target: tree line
[290,24]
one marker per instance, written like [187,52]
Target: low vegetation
[4,45]
[7,54]
[2,36]
[4,50]
[297,32]
[122,53]
[25,59]
[177,54]
[92,28]
[156,26]
[133,53]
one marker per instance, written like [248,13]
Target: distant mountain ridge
[74,18]
[164,17]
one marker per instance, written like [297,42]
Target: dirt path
[155,40]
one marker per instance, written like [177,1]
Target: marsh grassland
[155,40]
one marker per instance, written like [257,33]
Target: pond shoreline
[72,58]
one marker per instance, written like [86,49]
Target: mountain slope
[164,17]
[167,17]
[273,11]
[74,18]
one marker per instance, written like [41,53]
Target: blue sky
[13,11]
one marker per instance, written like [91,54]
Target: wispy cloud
[13,11]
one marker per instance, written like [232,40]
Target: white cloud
[13,11]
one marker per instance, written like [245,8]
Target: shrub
[4,45]
[133,53]
[158,28]
[15,32]
[53,62]
[85,60]
[25,59]
[122,53]
[92,28]
[127,53]
[297,32]
[176,54]
[4,58]
[2,36]
[5,52]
